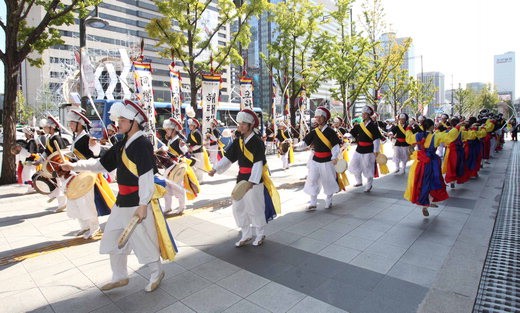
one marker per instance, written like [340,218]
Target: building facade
[109,48]
[434,80]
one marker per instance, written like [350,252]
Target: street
[372,252]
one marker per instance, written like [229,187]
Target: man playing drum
[326,144]
[196,147]
[176,147]
[99,199]
[134,159]
[252,211]
[213,138]
[52,128]
[283,137]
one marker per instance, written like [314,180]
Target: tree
[398,89]
[184,30]
[462,100]
[421,93]
[290,53]
[385,57]
[344,57]
[23,39]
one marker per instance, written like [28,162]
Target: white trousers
[320,175]
[213,154]
[362,164]
[400,157]
[199,165]
[84,209]
[174,190]
[249,212]
[285,160]
[143,241]
[59,192]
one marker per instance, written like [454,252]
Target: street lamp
[94,22]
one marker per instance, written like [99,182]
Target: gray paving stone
[86,301]
[416,274]
[191,258]
[374,262]
[145,301]
[177,307]
[245,306]
[284,237]
[339,253]
[439,301]
[275,297]
[300,280]
[25,300]
[309,244]
[340,294]
[243,283]
[312,305]
[354,242]
[184,284]
[386,249]
[211,299]
[110,308]
[215,270]
[325,236]
[393,295]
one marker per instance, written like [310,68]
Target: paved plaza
[372,252]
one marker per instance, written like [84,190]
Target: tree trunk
[193,92]
[9,121]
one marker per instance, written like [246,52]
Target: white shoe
[81,232]
[92,233]
[368,188]
[259,241]
[328,205]
[60,209]
[153,285]
[243,242]
[116,284]
[311,207]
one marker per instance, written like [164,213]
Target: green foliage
[183,32]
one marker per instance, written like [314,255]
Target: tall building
[434,80]
[264,32]
[127,21]
[504,75]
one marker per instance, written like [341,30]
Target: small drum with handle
[381,159]
[127,232]
[80,185]
[240,190]
[52,164]
[42,184]
[284,147]
[341,166]
[163,160]
[176,174]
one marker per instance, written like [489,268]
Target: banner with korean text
[210,99]
[246,93]
[175,88]
[142,71]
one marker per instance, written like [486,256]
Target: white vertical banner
[175,88]
[127,66]
[210,99]
[246,93]
[144,92]
[87,74]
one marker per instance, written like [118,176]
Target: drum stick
[59,151]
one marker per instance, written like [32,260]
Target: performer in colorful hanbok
[454,159]
[425,182]
[134,159]
[368,140]
[261,201]
[326,145]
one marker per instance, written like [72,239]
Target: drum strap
[366,131]
[323,138]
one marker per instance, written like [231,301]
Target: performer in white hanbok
[134,159]
[364,158]
[326,149]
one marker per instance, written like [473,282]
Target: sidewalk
[370,253]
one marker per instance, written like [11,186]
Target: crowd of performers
[445,151]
